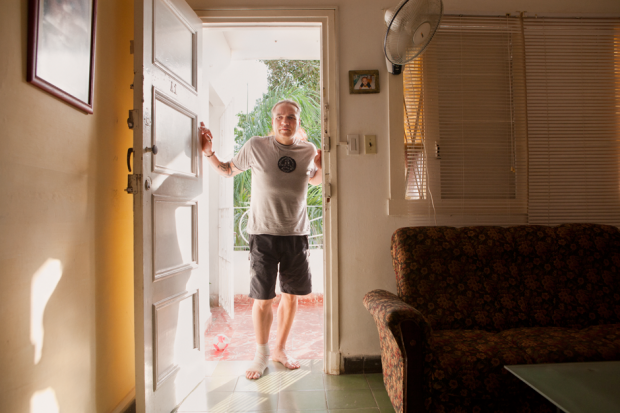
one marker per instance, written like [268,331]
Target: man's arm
[317,179]
[225,169]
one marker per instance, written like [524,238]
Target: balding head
[290,102]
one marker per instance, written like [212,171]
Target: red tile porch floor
[305,341]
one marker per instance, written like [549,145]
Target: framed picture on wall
[364,81]
[61,49]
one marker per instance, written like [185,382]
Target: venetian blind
[573,101]
[465,129]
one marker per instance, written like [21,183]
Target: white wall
[365,228]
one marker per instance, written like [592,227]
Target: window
[512,121]
[573,101]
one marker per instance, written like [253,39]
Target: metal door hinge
[134,182]
[327,190]
[130,121]
[327,144]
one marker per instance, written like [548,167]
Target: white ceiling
[268,43]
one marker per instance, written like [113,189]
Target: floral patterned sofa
[471,300]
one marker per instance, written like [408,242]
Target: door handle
[129,152]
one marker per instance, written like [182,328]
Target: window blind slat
[467,90]
[572,69]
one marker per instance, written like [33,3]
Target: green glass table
[575,387]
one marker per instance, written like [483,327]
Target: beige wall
[63,213]
[365,227]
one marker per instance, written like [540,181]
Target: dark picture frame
[61,49]
[364,81]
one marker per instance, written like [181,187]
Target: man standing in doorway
[282,166]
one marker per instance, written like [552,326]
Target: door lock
[133,183]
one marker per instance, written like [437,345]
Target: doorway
[248,68]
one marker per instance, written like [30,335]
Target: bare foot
[258,366]
[288,362]
[252,375]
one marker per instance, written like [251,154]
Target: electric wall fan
[411,26]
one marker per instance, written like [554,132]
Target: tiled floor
[226,389]
[305,340]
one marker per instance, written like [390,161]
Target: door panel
[177,334]
[175,42]
[171,276]
[173,133]
[175,236]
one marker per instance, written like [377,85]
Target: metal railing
[315,213]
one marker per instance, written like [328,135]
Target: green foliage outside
[298,80]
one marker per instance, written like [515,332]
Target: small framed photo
[364,81]
[61,49]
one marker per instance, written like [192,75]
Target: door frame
[326,17]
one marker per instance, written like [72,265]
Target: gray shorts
[291,252]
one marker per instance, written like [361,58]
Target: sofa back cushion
[494,278]
[587,282]
[454,275]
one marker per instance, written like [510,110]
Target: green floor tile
[303,411]
[253,411]
[346,382]
[269,384]
[231,368]
[306,364]
[221,383]
[302,400]
[375,381]
[389,409]
[317,366]
[350,399]
[301,380]
[352,411]
[382,398]
[253,402]
[200,401]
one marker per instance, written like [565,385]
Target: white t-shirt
[280,175]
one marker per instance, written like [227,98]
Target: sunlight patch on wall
[44,401]
[44,282]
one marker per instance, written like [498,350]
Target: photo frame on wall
[61,49]
[364,81]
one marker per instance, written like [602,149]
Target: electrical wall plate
[370,144]
[353,144]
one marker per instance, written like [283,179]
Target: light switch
[353,144]
[370,143]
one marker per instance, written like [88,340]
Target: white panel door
[171,279]
[226,216]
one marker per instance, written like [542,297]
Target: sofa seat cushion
[469,364]
[564,345]
[609,332]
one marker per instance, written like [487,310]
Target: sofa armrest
[391,310]
[404,335]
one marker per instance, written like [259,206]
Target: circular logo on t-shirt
[287,164]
